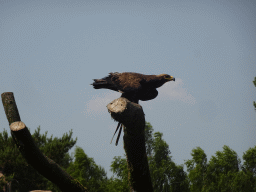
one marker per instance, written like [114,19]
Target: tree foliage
[15,168]
[85,170]
[120,169]
[165,174]
[223,172]
[197,169]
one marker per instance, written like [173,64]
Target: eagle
[133,86]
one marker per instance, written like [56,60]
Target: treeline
[223,172]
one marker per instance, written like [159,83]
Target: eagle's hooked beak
[171,78]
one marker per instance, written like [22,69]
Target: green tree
[116,185]
[248,173]
[120,169]
[161,166]
[119,165]
[165,175]
[223,172]
[85,170]
[250,160]
[14,167]
[149,138]
[223,168]
[243,182]
[197,169]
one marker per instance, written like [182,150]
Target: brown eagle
[133,86]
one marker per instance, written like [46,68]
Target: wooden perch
[24,141]
[131,115]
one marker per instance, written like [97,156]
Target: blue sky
[51,50]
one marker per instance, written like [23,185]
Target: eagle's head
[166,77]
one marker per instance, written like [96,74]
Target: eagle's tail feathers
[100,83]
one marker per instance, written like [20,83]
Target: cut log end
[18,125]
[117,106]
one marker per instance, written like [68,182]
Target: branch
[24,141]
[131,115]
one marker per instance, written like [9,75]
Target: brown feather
[133,86]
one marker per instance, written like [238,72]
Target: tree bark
[131,115]
[24,141]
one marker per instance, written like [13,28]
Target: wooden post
[24,141]
[131,115]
